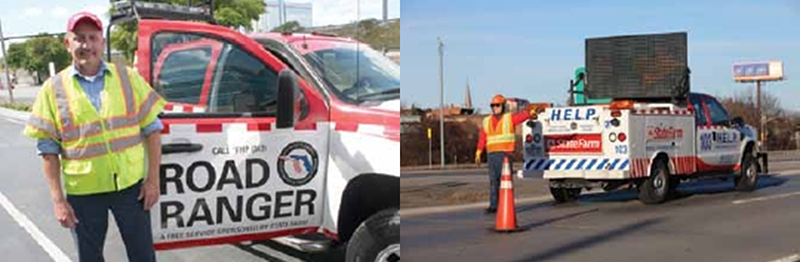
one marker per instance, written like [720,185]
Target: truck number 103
[621,149]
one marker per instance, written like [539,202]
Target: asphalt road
[708,221]
[24,188]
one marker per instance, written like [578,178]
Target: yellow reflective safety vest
[499,138]
[100,151]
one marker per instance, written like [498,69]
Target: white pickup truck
[652,146]
[290,137]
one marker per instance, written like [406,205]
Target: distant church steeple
[468,98]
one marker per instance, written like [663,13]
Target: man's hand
[151,187]
[64,214]
[478,156]
[149,192]
[533,112]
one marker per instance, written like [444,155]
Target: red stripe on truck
[233,239]
[209,128]
[344,126]
[259,126]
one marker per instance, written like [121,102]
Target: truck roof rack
[130,10]
[127,10]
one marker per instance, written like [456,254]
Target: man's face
[497,109]
[85,44]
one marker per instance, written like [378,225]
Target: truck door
[228,174]
[717,140]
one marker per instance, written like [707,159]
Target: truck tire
[656,188]
[674,182]
[563,195]
[376,239]
[748,177]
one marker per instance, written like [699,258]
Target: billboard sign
[758,71]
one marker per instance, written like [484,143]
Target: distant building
[280,12]
[464,109]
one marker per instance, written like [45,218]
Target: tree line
[35,54]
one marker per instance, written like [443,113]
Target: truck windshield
[357,73]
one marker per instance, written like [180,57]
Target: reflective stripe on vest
[499,138]
[44,125]
[74,132]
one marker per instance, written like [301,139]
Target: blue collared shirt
[93,87]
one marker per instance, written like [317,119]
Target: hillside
[374,32]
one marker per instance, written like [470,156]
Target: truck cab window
[718,114]
[699,113]
[243,84]
[181,75]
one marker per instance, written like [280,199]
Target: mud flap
[763,163]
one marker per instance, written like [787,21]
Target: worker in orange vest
[497,138]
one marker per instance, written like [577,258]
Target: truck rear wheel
[563,195]
[748,177]
[376,239]
[655,189]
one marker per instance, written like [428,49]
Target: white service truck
[652,146]
[281,136]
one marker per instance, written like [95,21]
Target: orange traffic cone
[506,213]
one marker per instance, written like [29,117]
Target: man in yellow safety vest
[94,122]
[497,137]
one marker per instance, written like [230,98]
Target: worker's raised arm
[520,117]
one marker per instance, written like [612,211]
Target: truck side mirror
[737,121]
[286,88]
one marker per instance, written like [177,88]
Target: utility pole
[5,63]
[441,100]
[385,10]
[761,131]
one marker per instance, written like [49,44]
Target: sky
[30,17]
[530,49]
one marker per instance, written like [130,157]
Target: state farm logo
[664,133]
[574,143]
[297,163]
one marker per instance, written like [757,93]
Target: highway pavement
[707,221]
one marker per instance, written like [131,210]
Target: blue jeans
[495,160]
[132,220]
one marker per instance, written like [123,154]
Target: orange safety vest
[499,138]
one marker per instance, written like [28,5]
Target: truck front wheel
[376,239]
[748,178]
[563,195]
[655,189]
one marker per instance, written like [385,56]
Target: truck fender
[655,156]
[747,144]
[364,195]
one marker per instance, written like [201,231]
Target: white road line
[55,253]
[15,121]
[743,201]
[410,212]
[792,258]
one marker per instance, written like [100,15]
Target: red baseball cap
[81,17]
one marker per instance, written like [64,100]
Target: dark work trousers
[132,220]
[495,160]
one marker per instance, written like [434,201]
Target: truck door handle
[180,148]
